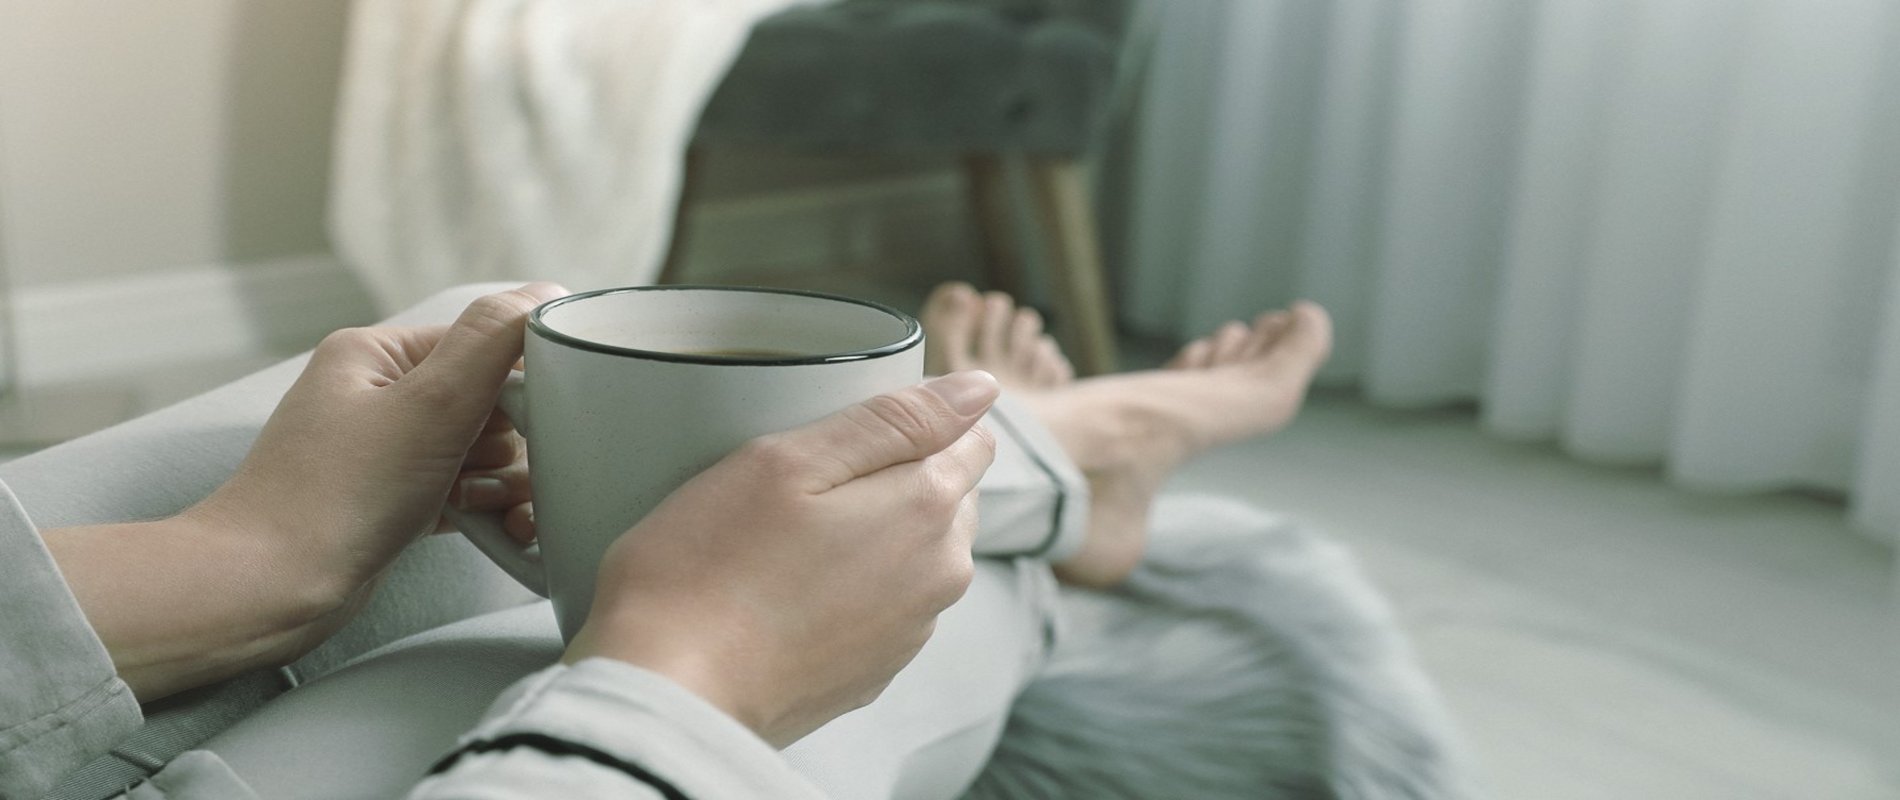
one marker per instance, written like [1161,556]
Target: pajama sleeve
[61,702]
[602,728]
[598,729]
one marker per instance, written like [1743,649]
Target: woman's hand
[791,581]
[353,465]
[364,449]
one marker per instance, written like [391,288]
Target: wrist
[274,568]
[687,665]
[289,573]
[181,602]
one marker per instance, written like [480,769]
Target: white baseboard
[97,329]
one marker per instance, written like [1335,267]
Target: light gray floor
[1599,633]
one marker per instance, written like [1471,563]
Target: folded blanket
[1246,658]
[517,139]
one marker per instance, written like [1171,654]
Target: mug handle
[484,530]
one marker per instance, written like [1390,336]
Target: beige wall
[140,137]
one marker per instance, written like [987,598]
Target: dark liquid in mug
[749,353]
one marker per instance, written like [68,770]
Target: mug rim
[913,330]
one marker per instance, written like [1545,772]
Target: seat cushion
[923,75]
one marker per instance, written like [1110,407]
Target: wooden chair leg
[1075,262]
[992,206]
[673,269]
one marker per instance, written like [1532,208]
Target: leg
[993,212]
[933,729]
[393,712]
[1127,432]
[1075,262]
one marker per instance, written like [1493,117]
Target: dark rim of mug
[913,332]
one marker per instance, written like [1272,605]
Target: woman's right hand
[791,581]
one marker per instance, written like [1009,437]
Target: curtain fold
[1654,231]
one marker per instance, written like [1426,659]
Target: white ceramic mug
[627,393]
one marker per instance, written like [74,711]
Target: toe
[992,336]
[1230,343]
[1025,333]
[1306,342]
[949,318]
[949,297]
[1052,368]
[1267,330]
[1193,356]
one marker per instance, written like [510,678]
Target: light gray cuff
[197,775]
[629,714]
[1033,502]
[61,703]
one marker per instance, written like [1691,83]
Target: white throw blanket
[521,139]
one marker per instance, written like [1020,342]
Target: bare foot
[965,330]
[1128,432]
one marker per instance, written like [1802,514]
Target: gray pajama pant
[390,692]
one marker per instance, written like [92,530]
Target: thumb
[483,344]
[890,429]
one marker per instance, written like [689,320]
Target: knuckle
[985,442]
[957,575]
[494,313]
[770,454]
[928,502]
[344,339]
[945,490]
[906,413]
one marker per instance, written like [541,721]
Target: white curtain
[1657,231]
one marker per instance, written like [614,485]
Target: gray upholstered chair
[987,81]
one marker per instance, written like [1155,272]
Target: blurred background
[1615,411]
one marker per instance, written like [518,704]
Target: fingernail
[480,493]
[969,392]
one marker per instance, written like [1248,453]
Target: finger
[903,426]
[958,540]
[381,354]
[494,450]
[492,490]
[934,485]
[961,465]
[962,534]
[478,350]
[498,421]
[519,523]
